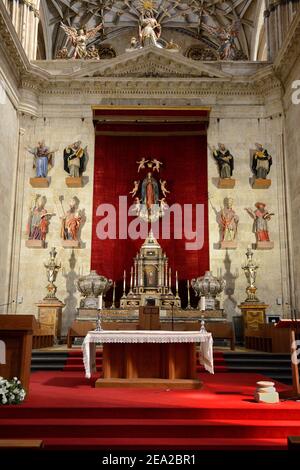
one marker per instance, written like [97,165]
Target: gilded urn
[91,287]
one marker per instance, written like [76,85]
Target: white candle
[176,281]
[114,293]
[100,302]
[188,293]
[124,281]
[131,278]
[202,304]
[170,278]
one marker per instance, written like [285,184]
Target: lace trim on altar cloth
[146,337]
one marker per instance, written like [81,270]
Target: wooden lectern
[294,327]
[149,318]
[16,334]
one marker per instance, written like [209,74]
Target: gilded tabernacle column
[135,274]
[166,274]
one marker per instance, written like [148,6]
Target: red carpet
[66,412]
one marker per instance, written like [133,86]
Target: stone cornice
[152,73]
[290,49]
[11,44]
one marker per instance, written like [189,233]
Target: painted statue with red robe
[150,192]
[261,217]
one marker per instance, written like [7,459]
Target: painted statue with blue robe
[150,191]
[42,161]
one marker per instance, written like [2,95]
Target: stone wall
[9,137]
[57,132]
[292,161]
[58,99]
[239,129]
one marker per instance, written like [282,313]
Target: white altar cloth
[146,336]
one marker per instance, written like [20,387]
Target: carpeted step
[149,428]
[129,443]
[253,412]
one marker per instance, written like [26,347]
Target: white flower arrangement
[11,391]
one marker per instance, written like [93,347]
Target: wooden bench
[79,329]
[222,330]
[21,444]
[219,330]
[268,338]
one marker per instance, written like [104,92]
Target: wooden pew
[21,444]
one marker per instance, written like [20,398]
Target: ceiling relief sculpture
[198,29]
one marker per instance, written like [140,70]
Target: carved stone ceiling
[186,17]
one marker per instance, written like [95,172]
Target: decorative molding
[149,62]
[143,74]
[290,49]
[11,45]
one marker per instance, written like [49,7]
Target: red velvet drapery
[184,168]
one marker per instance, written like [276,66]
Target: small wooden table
[148,358]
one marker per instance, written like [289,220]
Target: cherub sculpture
[156,165]
[135,188]
[137,206]
[80,39]
[163,187]
[142,163]
[163,205]
[92,53]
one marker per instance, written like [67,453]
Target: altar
[165,359]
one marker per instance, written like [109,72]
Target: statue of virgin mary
[150,192]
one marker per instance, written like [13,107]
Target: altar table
[148,358]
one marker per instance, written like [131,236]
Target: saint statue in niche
[74,159]
[262,162]
[261,218]
[71,222]
[38,221]
[228,221]
[224,160]
[149,29]
[42,159]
